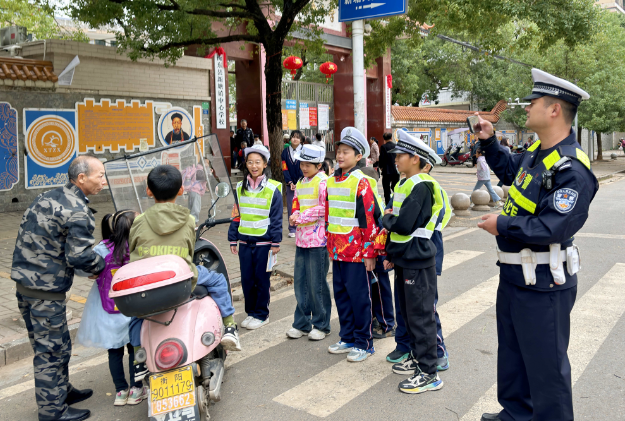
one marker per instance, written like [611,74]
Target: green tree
[164,28]
[38,20]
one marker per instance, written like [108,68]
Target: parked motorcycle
[182,329]
[465,158]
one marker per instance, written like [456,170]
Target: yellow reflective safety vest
[342,198]
[524,192]
[399,195]
[308,193]
[254,208]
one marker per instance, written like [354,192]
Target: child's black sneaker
[141,370]
[420,383]
[230,340]
[397,356]
[408,366]
[381,334]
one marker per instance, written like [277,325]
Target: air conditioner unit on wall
[13,35]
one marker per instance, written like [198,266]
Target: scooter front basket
[151,285]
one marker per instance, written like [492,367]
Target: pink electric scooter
[182,330]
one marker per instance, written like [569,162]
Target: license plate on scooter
[172,390]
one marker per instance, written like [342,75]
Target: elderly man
[54,239]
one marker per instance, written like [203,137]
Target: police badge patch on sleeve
[564,200]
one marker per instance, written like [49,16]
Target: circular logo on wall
[51,141]
[175,126]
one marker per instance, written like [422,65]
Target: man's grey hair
[80,165]
[243,120]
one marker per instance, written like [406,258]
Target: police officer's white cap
[311,153]
[351,136]
[413,146]
[546,84]
[259,149]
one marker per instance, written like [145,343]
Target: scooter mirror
[222,190]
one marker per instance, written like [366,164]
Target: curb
[608,176]
[19,349]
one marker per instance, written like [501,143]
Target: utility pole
[358,32]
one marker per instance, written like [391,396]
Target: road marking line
[458,257]
[24,386]
[344,381]
[458,234]
[78,299]
[597,235]
[592,319]
[274,298]
[259,340]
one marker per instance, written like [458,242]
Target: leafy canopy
[38,20]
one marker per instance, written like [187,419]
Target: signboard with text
[221,108]
[350,10]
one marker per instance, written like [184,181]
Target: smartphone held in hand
[474,124]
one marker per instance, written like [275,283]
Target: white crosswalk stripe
[344,381]
[593,317]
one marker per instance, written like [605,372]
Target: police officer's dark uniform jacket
[548,201]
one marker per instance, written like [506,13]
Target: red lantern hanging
[328,68]
[292,63]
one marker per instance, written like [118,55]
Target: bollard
[461,203]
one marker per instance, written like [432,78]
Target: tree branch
[205,41]
[288,17]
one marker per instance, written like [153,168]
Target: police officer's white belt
[338,204]
[346,222]
[538,258]
[308,202]
[254,211]
[339,191]
[305,191]
[253,201]
[256,224]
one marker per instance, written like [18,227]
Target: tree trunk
[599,148]
[273,82]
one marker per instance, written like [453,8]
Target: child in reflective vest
[314,305]
[411,223]
[257,230]
[351,212]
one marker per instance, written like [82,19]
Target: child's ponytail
[120,224]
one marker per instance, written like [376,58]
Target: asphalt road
[275,378]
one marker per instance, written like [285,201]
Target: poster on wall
[198,128]
[114,125]
[51,143]
[313,116]
[304,116]
[424,134]
[9,165]
[292,119]
[323,116]
[175,125]
[285,120]
[221,108]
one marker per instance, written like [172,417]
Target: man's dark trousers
[533,369]
[382,297]
[388,184]
[46,324]
[416,289]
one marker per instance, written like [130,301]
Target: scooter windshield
[202,166]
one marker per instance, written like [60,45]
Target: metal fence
[310,94]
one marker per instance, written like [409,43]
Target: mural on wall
[199,127]
[175,125]
[112,126]
[51,143]
[9,165]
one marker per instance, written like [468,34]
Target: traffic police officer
[54,239]
[551,187]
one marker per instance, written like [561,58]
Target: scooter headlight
[208,338]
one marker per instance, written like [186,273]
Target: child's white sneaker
[256,323]
[230,340]
[138,395]
[295,333]
[246,321]
[316,335]
[121,398]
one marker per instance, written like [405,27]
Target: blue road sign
[369,9]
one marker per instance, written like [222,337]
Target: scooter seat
[200,292]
